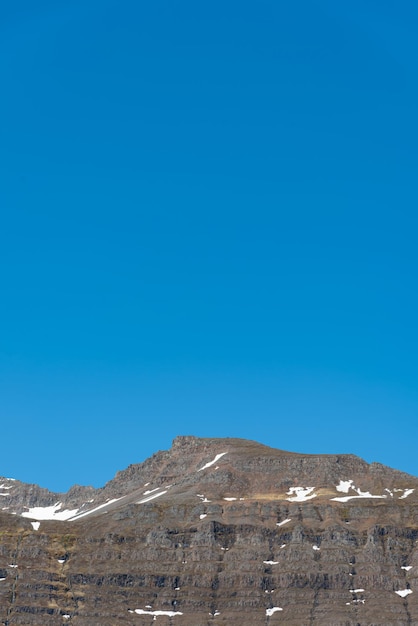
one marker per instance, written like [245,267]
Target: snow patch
[97,508]
[35,525]
[156,495]
[316,547]
[230,499]
[302,494]
[271,562]
[49,512]
[406,567]
[156,613]
[202,497]
[403,592]
[285,521]
[274,609]
[217,457]
[203,515]
[407,493]
[347,498]
[344,486]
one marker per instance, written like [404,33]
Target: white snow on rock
[302,494]
[344,486]
[365,495]
[271,562]
[407,493]
[54,512]
[155,495]
[316,548]
[49,512]
[360,494]
[2,579]
[156,613]
[230,499]
[403,592]
[285,521]
[97,508]
[202,497]
[203,515]
[217,457]
[35,525]
[274,609]
[406,567]
[356,590]
[61,561]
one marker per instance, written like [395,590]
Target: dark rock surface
[254,538]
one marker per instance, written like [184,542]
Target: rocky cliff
[215,532]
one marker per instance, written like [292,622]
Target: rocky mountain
[215,532]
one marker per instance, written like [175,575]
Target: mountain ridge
[215,531]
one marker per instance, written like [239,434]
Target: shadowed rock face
[215,532]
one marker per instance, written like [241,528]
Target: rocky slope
[215,532]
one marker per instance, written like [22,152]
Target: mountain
[215,532]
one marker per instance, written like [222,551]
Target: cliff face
[215,532]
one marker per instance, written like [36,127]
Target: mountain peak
[224,529]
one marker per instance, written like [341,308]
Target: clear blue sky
[208,226]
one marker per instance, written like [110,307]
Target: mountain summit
[215,532]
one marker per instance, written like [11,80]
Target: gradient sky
[208,226]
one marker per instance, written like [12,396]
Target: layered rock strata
[215,532]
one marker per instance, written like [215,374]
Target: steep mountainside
[215,532]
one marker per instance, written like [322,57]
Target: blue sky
[208,226]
